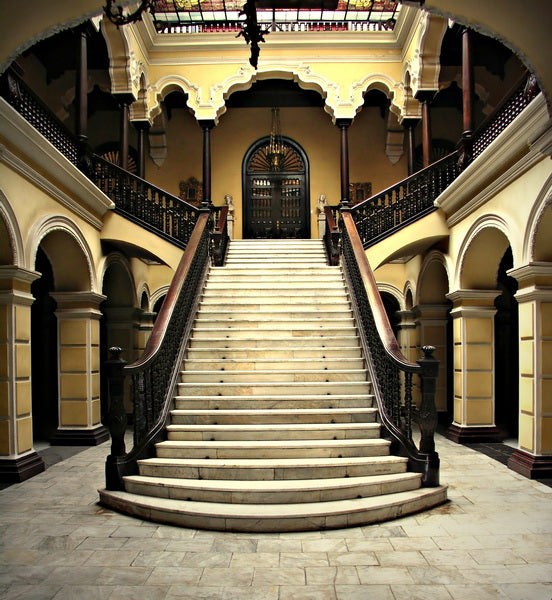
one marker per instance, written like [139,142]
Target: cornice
[488,174]
[92,203]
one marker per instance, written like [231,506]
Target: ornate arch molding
[117,258]
[433,257]
[486,222]
[393,291]
[158,91]
[53,223]
[425,65]
[159,293]
[15,239]
[409,288]
[376,81]
[142,289]
[542,203]
[124,71]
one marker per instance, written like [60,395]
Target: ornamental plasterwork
[392,89]
[165,85]
[425,65]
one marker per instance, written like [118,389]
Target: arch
[122,62]
[392,89]
[537,243]
[391,290]
[11,242]
[158,295]
[143,296]
[433,280]
[408,296]
[118,295]
[481,253]
[67,250]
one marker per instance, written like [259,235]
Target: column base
[473,435]
[80,437]
[16,470]
[532,467]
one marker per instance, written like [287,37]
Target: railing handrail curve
[381,319]
[162,321]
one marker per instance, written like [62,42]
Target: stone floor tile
[234,545]
[124,575]
[174,533]
[303,559]
[332,575]
[369,545]
[481,592]
[133,592]
[153,544]
[256,559]
[207,559]
[185,545]
[174,576]
[457,542]
[457,558]
[527,591]
[533,573]
[214,576]
[84,592]
[279,545]
[29,592]
[133,531]
[251,593]
[352,558]
[363,592]
[403,559]
[194,592]
[157,558]
[388,575]
[413,543]
[421,592]
[313,592]
[294,576]
[325,545]
[101,543]
[73,576]
[497,556]
[437,574]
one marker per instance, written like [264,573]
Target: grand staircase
[274,427]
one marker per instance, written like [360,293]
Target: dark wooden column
[81,94]
[344,125]
[410,125]
[465,145]
[142,127]
[425,97]
[206,125]
[124,100]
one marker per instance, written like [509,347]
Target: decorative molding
[92,203]
[490,170]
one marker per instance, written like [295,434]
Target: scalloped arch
[158,91]
[378,81]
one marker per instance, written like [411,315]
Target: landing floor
[493,539]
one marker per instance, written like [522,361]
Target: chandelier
[275,146]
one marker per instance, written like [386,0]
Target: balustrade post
[428,416]
[116,416]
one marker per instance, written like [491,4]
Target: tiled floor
[492,540]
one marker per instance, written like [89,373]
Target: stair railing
[155,375]
[220,237]
[390,371]
[331,234]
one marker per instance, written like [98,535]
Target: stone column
[473,326]
[18,459]
[409,343]
[432,322]
[78,317]
[533,459]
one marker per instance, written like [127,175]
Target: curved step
[278,517]
[271,492]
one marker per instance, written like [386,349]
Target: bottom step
[275,517]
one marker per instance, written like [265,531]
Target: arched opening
[506,351]
[391,305]
[44,353]
[276,195]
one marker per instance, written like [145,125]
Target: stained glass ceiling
[189,16]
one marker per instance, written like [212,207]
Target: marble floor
[493,539]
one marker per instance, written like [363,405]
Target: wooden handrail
[330,219]
[167,308]
[223,217]
[380,316]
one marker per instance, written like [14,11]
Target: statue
[321,204]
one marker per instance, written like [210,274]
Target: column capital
[472,301]
[78,302]
[533,277]
[342,122]
[206,123]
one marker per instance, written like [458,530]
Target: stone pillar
[409,343]
[18,459]
[432,322]
[473,326]
[78,319]
[533,459]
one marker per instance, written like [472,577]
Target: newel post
[428,416]
[116,416]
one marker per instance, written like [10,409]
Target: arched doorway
[276,193]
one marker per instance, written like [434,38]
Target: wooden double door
[276,192]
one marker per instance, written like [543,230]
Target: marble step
[296,416]
[235,355]
[280,376]
[273,431]
[271,284]
[275,517]
[268,331]
[291,259]
[274,343]
[263,402]
[269,304]
[220,312]
[273,388]
[223,363]
[275,274]
[271,492]
[288,324]
[275,291]
[288,448]
[255,469]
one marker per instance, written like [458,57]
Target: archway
[276,191]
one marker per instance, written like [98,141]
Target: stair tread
[273,443]
[273,426]
[274,411]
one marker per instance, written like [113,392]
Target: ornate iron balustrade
[155,375]
[525,90]
[391,372]
[33,109]
[405,202]
[151,207]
